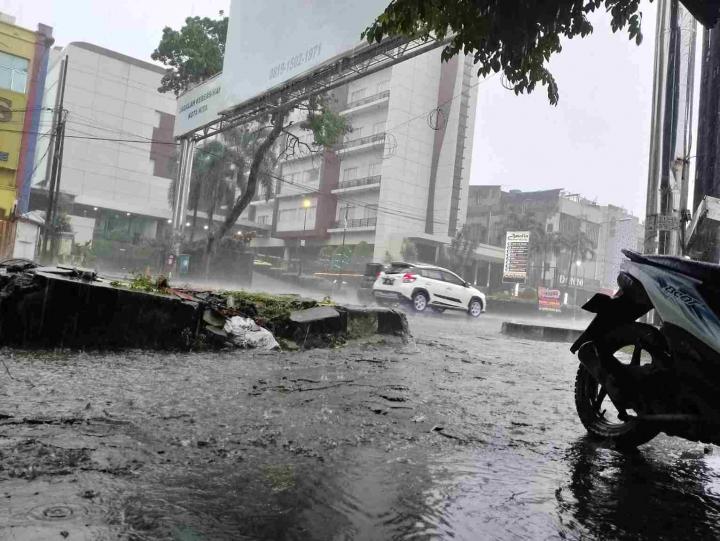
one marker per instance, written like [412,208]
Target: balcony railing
[369,99]
[370,139]
[375,179]
[355,223]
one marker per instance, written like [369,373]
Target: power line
[111,139]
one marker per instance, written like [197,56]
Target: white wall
[26,240]
[111,98]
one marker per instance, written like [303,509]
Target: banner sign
[549,300]
[270,43]
[517,247]
[198,106]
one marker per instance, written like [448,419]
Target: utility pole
[56,168]
[671,128]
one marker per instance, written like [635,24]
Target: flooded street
[460,434]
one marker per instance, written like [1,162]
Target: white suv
[426,286]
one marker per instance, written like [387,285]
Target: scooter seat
[705,272]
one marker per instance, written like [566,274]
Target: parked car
[365,288]
[427,287]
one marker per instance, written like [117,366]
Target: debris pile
[75,308]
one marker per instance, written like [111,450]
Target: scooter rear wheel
[631,345]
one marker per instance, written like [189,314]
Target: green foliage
[192,54]
[515,37]
[272,311]
[458,255]
[327,126]
[362,253]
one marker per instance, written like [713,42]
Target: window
[287,216]
[357,95]
[262,220]
[593,232]
[550,228]
[379,127]
[370,211]
[350,173]
[312,176]
[13,72]
[382,86]
[432,274]
[374,169]
[451,278]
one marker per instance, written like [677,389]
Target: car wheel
[420,301]
[475,308]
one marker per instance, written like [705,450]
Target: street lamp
[306,205]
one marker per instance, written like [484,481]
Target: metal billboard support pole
[180,203]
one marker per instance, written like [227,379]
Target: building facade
[23,60]
[119,157]
[402,171]
[554,218]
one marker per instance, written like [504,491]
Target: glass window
[374,169]
[549,228]
[432,274]
[350,173]
[452,278]
[13,72]
[312,176]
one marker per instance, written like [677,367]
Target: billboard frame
[342,69]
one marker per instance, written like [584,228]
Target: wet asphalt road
[459,434]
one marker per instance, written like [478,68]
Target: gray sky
[594,142]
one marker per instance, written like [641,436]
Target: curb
[540,332]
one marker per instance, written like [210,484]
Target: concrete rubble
[64,307]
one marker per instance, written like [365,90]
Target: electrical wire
[111,139]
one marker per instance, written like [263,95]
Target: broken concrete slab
[348,321]
[314,315]
[44,309]
[540,332]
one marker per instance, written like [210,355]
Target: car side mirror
[466,284]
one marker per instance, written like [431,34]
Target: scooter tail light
[409,277]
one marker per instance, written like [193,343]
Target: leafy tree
[462,246]
[192,54]
[362,253]
[515,37]
[263,137]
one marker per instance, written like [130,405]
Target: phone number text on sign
[296,61]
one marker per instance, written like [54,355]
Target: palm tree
[550,244]
[581,248]
[220,169]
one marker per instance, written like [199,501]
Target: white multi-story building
[116,164]
[402,171]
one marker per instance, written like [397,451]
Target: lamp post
[306,205]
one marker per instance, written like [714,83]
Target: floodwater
[459,434]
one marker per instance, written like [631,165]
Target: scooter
[635,379]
